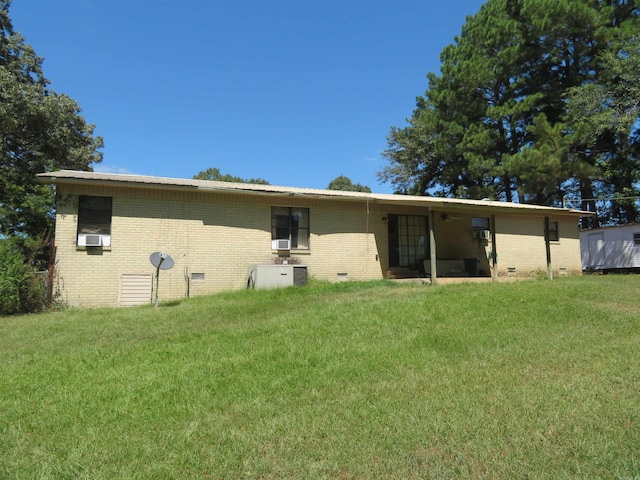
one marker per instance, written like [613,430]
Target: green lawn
[531,379]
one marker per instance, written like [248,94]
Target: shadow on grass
[170,303]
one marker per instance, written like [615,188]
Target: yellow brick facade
[521,246]
[218,236]
[214,234]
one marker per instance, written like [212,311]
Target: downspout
[432,247]
[547,245]
[494,250]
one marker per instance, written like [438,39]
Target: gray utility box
[276,276]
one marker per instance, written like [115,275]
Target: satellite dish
[162,261]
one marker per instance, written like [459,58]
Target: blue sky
[293,91]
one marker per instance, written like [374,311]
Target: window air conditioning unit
[281,244]
[89,240]
[485,234]
[94,240]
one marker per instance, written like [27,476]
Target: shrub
[20,290]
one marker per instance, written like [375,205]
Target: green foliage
[531,379]
[416,167]
[613,101]
[20,290]
[605,115]
[40,130]
[214,174]
[495,122]
[345,184]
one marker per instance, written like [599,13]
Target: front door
[408,240]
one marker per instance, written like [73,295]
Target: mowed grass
[532,379]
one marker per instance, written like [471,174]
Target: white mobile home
[611,248]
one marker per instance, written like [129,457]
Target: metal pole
[162,258]
[432,248]
[157,281]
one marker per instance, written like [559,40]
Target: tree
[495,122]
[20,290]
[566,39]
[40,131]
[214,174]
[613,102]
[416,164]
[345,184]
[606,114]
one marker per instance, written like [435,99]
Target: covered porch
[475,242]
[458,243]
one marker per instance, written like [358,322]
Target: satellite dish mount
[162,261]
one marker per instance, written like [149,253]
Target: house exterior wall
[210,233]
[217,236]
[520,246]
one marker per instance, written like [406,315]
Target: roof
[433,203]
[629,226]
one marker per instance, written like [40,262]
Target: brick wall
[215,236]
[521,246]
[218,236]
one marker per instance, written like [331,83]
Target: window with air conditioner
[480,228]
[94,221]
[480,223]
[290,224]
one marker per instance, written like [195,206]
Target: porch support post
[432,247]
[547,245]
[494,250]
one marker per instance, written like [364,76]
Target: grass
[531,379]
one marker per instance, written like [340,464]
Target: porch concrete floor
[452,280]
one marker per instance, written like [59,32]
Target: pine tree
[495,122]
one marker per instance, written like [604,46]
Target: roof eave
[431,203]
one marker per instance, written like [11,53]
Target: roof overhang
[452,205]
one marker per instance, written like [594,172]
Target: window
[554,234]
[480,223]
[291,223]
[94,218]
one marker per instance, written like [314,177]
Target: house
[611,248]
[220,235]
